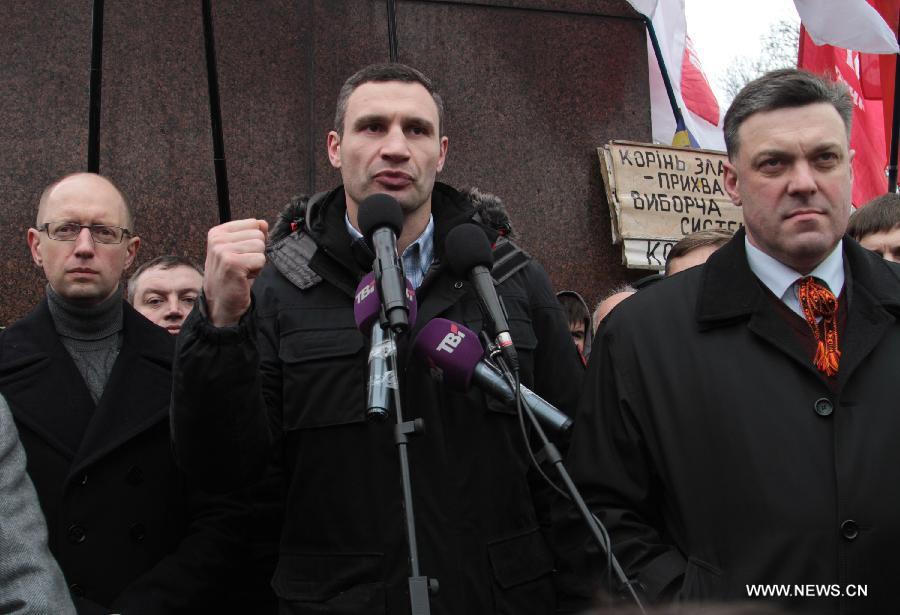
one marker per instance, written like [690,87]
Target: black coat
[301,357]
[720,457]
[128,533]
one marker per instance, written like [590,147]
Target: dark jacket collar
[730,292]
[729,289]
[343,262]
[135,396]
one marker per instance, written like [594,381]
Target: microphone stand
[552,454]
[419,586]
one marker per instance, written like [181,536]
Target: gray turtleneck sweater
[91,334]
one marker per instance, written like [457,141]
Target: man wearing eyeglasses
[87,379]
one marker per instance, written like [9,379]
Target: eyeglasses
[69,231]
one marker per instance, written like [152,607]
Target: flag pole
[93,154]
[676,110]
[895,129]
[215,115]
[392,30]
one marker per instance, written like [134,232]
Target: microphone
[380,220]
[468,254]
[383,350]
[455,351]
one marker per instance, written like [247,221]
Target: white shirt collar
[417,256]
[780,279]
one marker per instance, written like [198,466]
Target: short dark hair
[166,261]
[574,306]
[380,73]
[697,240]
[880,215]
[780,89]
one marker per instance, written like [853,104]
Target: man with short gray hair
[738,428]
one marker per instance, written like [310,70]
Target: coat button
[83,480]
[823,406]
[457,285]
[76,534]
[850,529]
[137,532]
[77,590]
[135,476]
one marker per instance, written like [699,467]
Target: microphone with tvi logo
[455,352]
[383,350]
[468,254]
[380,220]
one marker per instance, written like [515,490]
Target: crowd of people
[195,440]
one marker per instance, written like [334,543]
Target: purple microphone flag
[367,303]
[452,348]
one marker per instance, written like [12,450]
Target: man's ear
[34,245]
[133,244]
[334,149]
[445,142]
[732,184]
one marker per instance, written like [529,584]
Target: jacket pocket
[333,584]
[701,581]
[522,567]
[323,372]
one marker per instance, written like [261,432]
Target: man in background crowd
[165,289]
[609,301]
[88,381]
[694,249]
[876,226]
[579,317]
[737,431]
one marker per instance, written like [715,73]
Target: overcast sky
[725,29]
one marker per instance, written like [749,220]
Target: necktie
[817,301]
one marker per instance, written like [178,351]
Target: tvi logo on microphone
[452,340]
[364,292]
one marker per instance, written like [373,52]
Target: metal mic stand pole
[552,454]
[419,586]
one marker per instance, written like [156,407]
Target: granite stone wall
[531,87]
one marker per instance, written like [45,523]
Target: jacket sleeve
[194,577]
[30,579]
[609,462]
[220,426]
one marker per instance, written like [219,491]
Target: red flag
[695,90]
[868,136]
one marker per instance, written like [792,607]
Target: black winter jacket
[290,382]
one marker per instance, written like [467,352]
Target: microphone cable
[612,563]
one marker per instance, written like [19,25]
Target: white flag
[702,114]
[849,24]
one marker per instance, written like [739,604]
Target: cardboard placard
[658,194]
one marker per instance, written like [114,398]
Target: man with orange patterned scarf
[738,428]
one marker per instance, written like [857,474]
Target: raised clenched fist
[235,254]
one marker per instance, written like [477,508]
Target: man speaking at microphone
[279,375]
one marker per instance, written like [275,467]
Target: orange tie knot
[819,302]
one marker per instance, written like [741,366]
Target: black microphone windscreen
[379,210]
[465,247]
